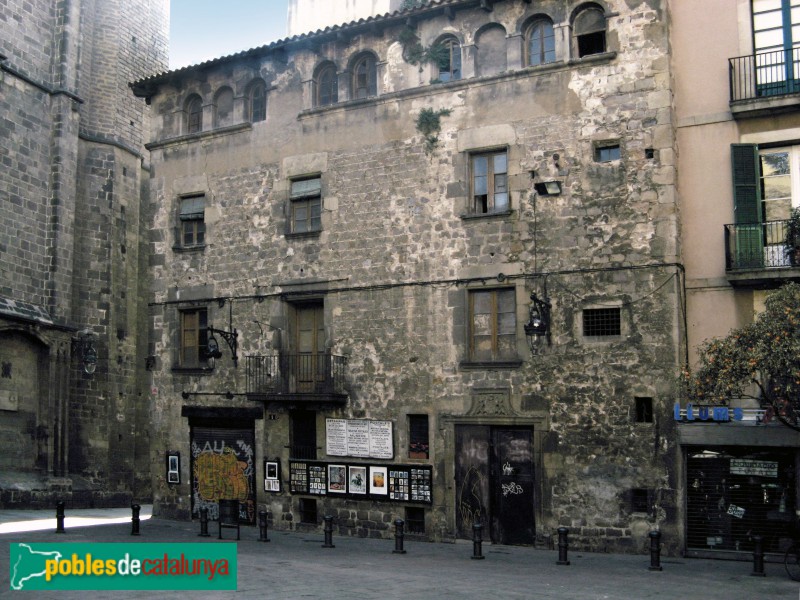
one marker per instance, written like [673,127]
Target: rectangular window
[308,510]
[306,205]
[194,338]
[640,500]
[602,322]
[418,436]
[644,410]
[489,182]
[415,519]
[493,325]
[607,153]
[192,221]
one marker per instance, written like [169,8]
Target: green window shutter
[747,244]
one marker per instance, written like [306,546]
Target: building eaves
[147,87]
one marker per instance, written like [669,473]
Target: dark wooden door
[472,477]
[512,486]
[310,347]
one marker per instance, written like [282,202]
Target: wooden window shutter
[748,244]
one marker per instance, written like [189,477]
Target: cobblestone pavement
[295,565]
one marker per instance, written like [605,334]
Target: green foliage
[764,354]
[429,124]
[792,239]
[414,53]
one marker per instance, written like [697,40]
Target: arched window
[449,63]
[365,77]
[589,31]
[194,114]
[223,107]
[257,101]
[326,85]
[541,43]
[492,55]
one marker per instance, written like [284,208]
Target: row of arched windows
[255,107]
[588,33]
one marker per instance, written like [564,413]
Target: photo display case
[397,483]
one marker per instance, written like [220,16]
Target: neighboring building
[366,234]
[313,15]
[72,280]
[735,66]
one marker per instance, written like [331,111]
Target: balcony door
[776,40]
[309,347]
[780,193]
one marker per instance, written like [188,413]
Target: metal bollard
[135,508]
[477,540]
[398,537]
[328,532]
[758,557]
[60,517]
[563,546]
[204,522]
[655,551]
[262,526]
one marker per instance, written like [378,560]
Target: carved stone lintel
[491,403]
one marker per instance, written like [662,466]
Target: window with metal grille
[415,519]
[644,410]
[308,510]
[640,500]
[601,322]
[418,436]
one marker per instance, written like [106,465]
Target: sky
[204,29]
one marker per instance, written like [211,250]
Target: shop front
[740,484]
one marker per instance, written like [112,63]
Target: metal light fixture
[547,188]
[538,326]
[82,346]
[231,337]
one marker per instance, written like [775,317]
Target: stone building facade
[349,231]
[72,178]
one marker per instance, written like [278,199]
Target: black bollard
[758,558]
[262,526]
[328,532]
[477,540]
[60,517]
[135,508]
[655,551]
[204,522]
[398,537]
[563,546]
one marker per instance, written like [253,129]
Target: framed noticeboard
[272,476]
[398,483]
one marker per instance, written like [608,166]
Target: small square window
[415,519]
[418,436]
[607,153]
[644,410]
[649,153]
[602,322]
[306,205]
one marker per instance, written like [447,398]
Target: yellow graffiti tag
[220,476]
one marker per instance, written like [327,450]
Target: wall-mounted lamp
[547,188]
[212,345]
[538,326]
[83,348]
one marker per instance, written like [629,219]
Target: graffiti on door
[223,469]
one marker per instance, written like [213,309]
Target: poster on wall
[378,483]
[359,438]
[298,477]
[272,476]
[337,479]
[317,480]
[173,467]
[357,479]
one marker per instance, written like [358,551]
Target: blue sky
[204,29]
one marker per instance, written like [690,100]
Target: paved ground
[295,565]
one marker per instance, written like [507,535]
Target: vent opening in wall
[308,510]
[415,519]
[644,410]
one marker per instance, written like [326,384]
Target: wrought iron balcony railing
[754,246]
[296,375]
[764,75]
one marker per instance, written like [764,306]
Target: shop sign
[719,414]
[736,511]
[761,468]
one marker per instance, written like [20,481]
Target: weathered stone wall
[399,252]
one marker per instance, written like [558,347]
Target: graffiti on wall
[223,469]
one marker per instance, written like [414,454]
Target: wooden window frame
[194,115]
[365,66]
[326,94]
[418,436]
[448,72]
[495,187]
[257,102]
[191,226]
[494,326]
[307,201]
[193,323]
[590,40]
[544,55]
